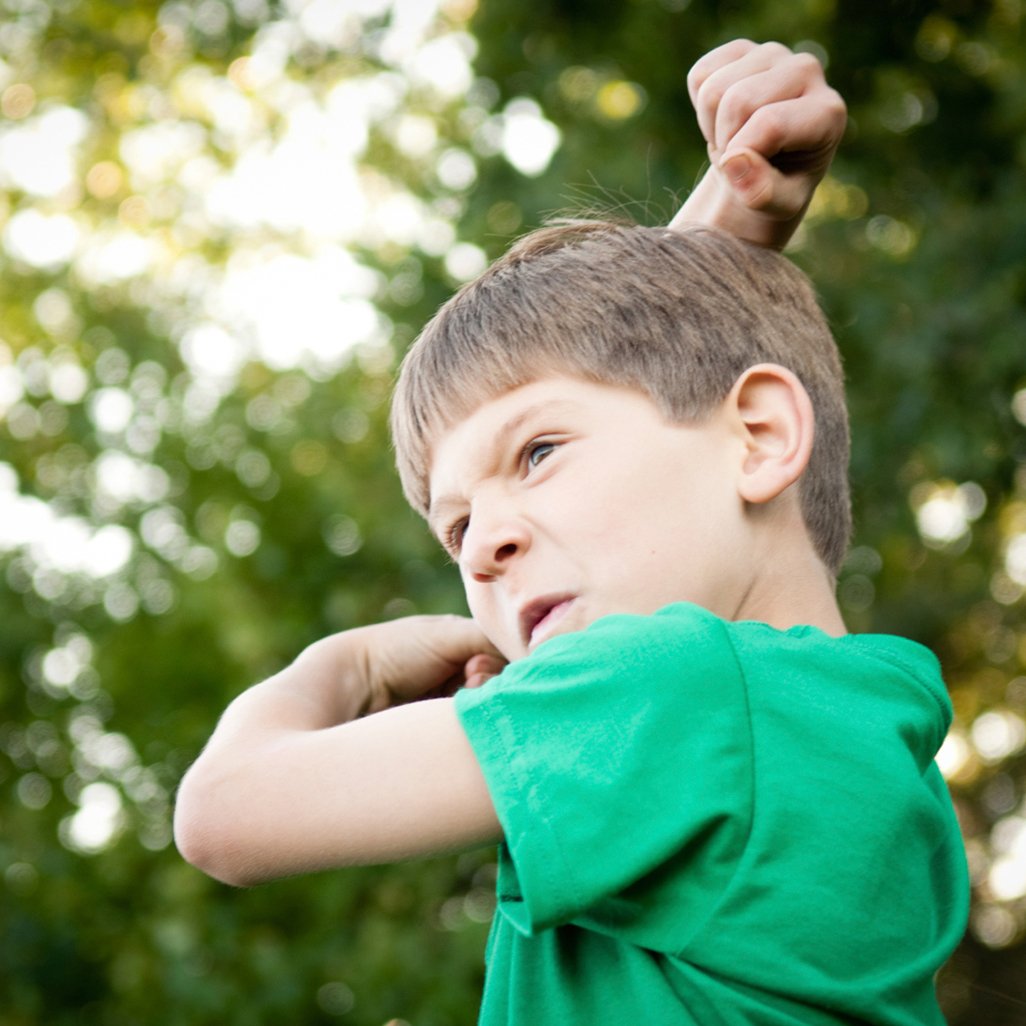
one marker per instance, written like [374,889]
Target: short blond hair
[678,315]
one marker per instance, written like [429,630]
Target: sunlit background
[221,223]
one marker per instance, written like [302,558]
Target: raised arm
[296,778]
[772,125]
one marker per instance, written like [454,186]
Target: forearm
[223,800]
[324,686]
[295,778]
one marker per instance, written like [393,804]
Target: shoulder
[871,690]
[621,667]
[675,630]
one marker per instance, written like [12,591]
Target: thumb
[749,175]
[759,186]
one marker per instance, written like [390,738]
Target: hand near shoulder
[772,124]
[402,660]
[297,777]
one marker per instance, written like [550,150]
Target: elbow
[208,839]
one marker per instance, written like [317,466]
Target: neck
[791,587]
[794,598]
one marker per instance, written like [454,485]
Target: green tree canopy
[221,223]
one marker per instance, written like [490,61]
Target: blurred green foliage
[195,473]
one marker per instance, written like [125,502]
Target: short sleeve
[619,761]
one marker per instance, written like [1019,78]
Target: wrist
[334,676]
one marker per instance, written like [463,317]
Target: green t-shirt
[718,823]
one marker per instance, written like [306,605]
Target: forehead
[491,421]
[473,445]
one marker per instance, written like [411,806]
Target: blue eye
[537,451]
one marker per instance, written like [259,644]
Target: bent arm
[292,781]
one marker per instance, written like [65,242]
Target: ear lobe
[774,415]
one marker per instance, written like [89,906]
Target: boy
[715,806]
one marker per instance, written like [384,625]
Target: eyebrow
[438,507]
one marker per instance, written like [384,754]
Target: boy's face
[564,500]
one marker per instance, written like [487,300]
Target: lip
[542,613]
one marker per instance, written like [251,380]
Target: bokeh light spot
[620,100]
[529,140]
[98,820]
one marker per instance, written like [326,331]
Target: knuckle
[834,103]
[737,102]
[716,59]
[776,51]
[709,96]
[808,63]
[740,47]
[769,125]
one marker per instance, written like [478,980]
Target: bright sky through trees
[221,223]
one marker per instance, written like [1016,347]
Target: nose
[492,542]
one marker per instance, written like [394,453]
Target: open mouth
[539,618]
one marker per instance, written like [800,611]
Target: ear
[773,414]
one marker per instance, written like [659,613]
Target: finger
[760,187]
[415,655]
[798,76]
[707,65]
[477,679]
[483,663]
[482,667]
[795,136]
[454,639]
[754,61]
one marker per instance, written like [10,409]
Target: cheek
[490,617]
[474,596]
[482,607]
